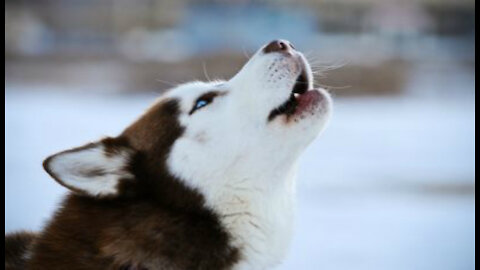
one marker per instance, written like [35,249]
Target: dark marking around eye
[204,100]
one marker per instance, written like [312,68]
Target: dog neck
[258,215]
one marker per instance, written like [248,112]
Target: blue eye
[201,103]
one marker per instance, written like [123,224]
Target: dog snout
[278,45]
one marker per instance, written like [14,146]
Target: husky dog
[205,179]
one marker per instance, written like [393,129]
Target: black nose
[277,46]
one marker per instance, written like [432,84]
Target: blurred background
[389,185]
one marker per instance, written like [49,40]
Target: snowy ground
[389,185]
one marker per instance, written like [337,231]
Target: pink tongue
[307,100]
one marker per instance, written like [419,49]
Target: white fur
[71,169]
[244,165]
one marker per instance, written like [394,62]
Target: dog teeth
[296,95]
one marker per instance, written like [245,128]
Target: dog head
[207,134]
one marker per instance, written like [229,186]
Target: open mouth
[290,105]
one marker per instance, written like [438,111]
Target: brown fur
[17,249]
[154,222]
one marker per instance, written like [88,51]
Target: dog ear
[95,169]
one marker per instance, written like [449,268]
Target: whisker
[329,87]
[173,84]
[245,53]
[205,73]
